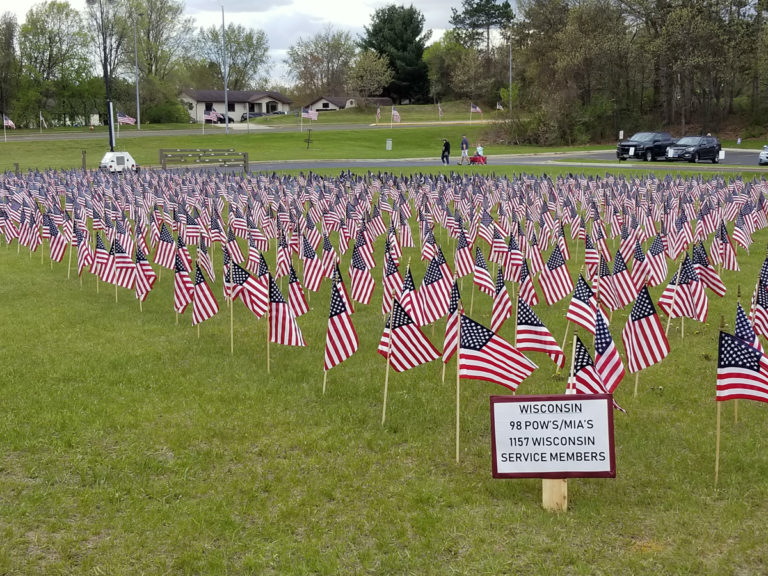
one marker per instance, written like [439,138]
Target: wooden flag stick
[198,331]
[325,378]
[69,262]
[386,377]
[458,390]
[115,293]
[717,445]
[268,327]
[443,372]
[231,326]
[141,308]
[565,339]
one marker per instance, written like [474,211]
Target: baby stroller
[477,159]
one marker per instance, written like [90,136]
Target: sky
[285,21]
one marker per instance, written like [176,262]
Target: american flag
[408,298]
[328,260]
[607,360]
[533,336]
[743,329]
[605,291]
[482,277]
[341,339]
[513,261]
[583,306]
[502,304]
[145,275]
[283,328]
[463,256]
[122,265]
[622,282]
[58,243]
[742,370]
[657,262]
[296,295]
[309,114]
[212,116]
[204,259]
[313,266]
[555,279]
[435,292]
[527,289]
[8,123]
[125,119]
[685,294]
[392,283]
[591,257]
[586,379]
[183,251]
[439,111]
[361,278]
[759,312]
[722,250]
[706,271]
[204,305]
[378,113]
[451,340]
[183,288]
[84,251]
[408,347]
[643,336]
[640,268]
[485,356]
[166,249]
[474,109]
[254,293]
[234,248]
[100,264]
[395,115]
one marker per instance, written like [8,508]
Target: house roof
[341,101]
[338,101]
[236,95]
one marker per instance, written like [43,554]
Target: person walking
[464,149]
[445,157]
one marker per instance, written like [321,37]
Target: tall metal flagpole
[136,59]
[226,72]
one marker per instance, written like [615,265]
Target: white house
[328,103]
[239,102]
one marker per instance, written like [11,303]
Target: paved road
[735,161]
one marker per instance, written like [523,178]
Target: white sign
[721,155]
[631,150]
[621,134]
[559,436]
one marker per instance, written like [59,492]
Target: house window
[231,106]
[208,106]
[326,105]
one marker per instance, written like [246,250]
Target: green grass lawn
[131,445]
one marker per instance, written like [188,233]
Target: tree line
[564,70]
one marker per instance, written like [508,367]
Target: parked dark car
[695,148]
[249,115]
[645,145]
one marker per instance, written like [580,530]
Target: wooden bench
[203,156]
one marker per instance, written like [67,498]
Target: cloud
[236,6]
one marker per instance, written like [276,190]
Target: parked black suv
[247,115]
[695,148]
[645,145]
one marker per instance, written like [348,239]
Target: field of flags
[522,242]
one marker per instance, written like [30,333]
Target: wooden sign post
[554,438]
